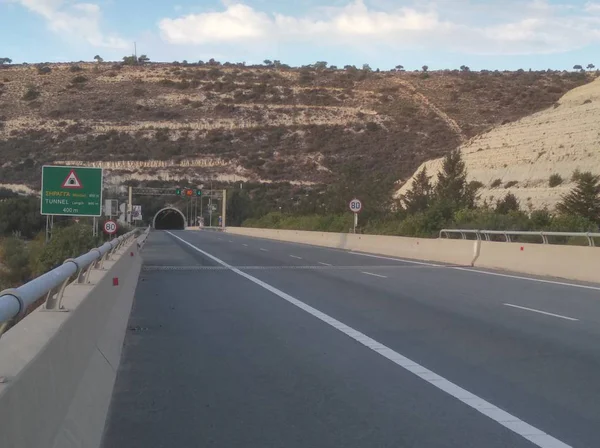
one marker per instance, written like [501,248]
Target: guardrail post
[544,238]
[507,236]
[54,297]
[591,241]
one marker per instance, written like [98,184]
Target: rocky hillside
[535,157]
[305,126]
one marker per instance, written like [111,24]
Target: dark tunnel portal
[169,219]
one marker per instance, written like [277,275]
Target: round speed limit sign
[355,205]
[110,227]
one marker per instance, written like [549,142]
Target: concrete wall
[569,262]
[61,367]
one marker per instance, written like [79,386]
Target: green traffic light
[178,192]
[198,192]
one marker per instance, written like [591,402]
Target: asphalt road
[242,342]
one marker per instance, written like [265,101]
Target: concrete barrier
[568,262]
[60,367]
[446,251]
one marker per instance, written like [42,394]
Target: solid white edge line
[477,271]
[374,275]
[541,312]
[514,424]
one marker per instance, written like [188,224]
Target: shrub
[555,180]
[75,69]
[44,70]
[79,79]
[31,94]
[496,183]
[510,184]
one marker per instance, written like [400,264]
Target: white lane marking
[245,245]
[325,264]
[231,241]
[514,424]
[477,271]
[294,256]
[541,312]
[264,250]
[374,275]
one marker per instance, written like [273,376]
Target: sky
[482,34]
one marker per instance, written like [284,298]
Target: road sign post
[355,207]
[71,191]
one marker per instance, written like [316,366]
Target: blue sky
[483,34]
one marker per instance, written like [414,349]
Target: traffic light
[198,192]
[178,191]
[189,192]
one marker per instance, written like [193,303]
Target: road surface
[243,342]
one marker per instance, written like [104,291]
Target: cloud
[507,27]
[74,21]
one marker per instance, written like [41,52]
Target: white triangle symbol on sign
[72,181]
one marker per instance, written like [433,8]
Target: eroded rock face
[523,155]
[264,124]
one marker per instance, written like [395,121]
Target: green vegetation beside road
[451,203]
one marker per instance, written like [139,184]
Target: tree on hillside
[129,60]
[268,62]
[584,199]
[5,61]
[400,68]
[320,65]
[143,59]
[452,187]
[367,68]
[509,203]
[425,68]
[591,67]
[98,59]
[418,198]
[464,68]
[577,67]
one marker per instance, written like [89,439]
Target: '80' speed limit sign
[110,227]
[355,205]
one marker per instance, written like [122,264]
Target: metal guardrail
[14,302]
[485,234]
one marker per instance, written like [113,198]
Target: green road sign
[198,192]
[71,191]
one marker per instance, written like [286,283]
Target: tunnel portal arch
[169,218]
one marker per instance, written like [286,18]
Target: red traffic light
[189,192]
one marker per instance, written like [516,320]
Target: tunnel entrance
[169,219]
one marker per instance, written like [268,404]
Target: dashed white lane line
[263,250]
[324,264]
[511,422]
[295,256]
[373,275]
[541,312]
[231,241]
[477,271]
[245,245]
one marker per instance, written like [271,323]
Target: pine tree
[418,198]
[451,187]
[584,199]
[508,204]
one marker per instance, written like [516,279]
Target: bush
[510,184]
[66,242]
[15,260]
[79,79]
[31,94]
[496,183]
[555,180]
[75,69]
[44,70]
